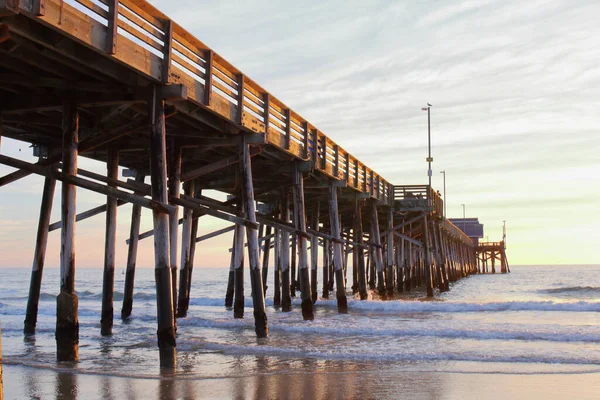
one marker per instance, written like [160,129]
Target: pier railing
[418,198]
[138,35]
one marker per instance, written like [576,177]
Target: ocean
[537,320]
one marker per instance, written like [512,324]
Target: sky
[515,88]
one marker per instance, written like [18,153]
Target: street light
[504,233]
[429,159]
[463,207]
[444,173]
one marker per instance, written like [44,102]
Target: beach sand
[41,383]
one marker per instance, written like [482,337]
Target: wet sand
[36,383]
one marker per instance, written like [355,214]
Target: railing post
[39,8]
[240,99]
[306,134]
[347,168]
[208,78]
[167,51]
[288,128]
[266,111]
[324,150]
[111,29]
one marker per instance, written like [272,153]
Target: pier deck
[121,83]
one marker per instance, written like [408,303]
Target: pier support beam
[249,206]
[326,257]
[238,272]
[314,253]
[334,217]
[67,321]
[300,224]
[277,270]
[164,292]
[390,253]
[377,250]
[266,254]
[286,300]
[174,189]
[428,261]
[136,216]
[359,250]
[37,269]
[408,266]
[186,252]
[108,284]
[231,276]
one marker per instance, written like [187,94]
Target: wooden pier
[121,83]
[487,255]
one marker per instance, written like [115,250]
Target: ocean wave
[549,335]
[264,350]
[457,307]
[573,290]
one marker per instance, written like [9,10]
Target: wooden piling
[439,264]
[359,250]
[193,245]
[314,252]
[67,321]
[409,266]
[174,191]
[325,273]
[428,261]
[136,216]
[372,271]
[164,292]
[293,254]
[277,269]
[37,269]
[231,276]
[186,247]
[249,206]
[300,224]
[286,301]
[378,252]
[390,252]
[108,283]
[238,272]
[400,265]
[334,217]
[265,262]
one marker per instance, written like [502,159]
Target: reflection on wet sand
[66,386]
[275,378]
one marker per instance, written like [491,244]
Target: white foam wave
[457,307]
[264,350]
[550,334]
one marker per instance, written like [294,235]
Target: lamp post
[429,159]
[464,222]
[444,174]
[504,233]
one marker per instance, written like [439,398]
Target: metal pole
[444,174]
[429,145]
